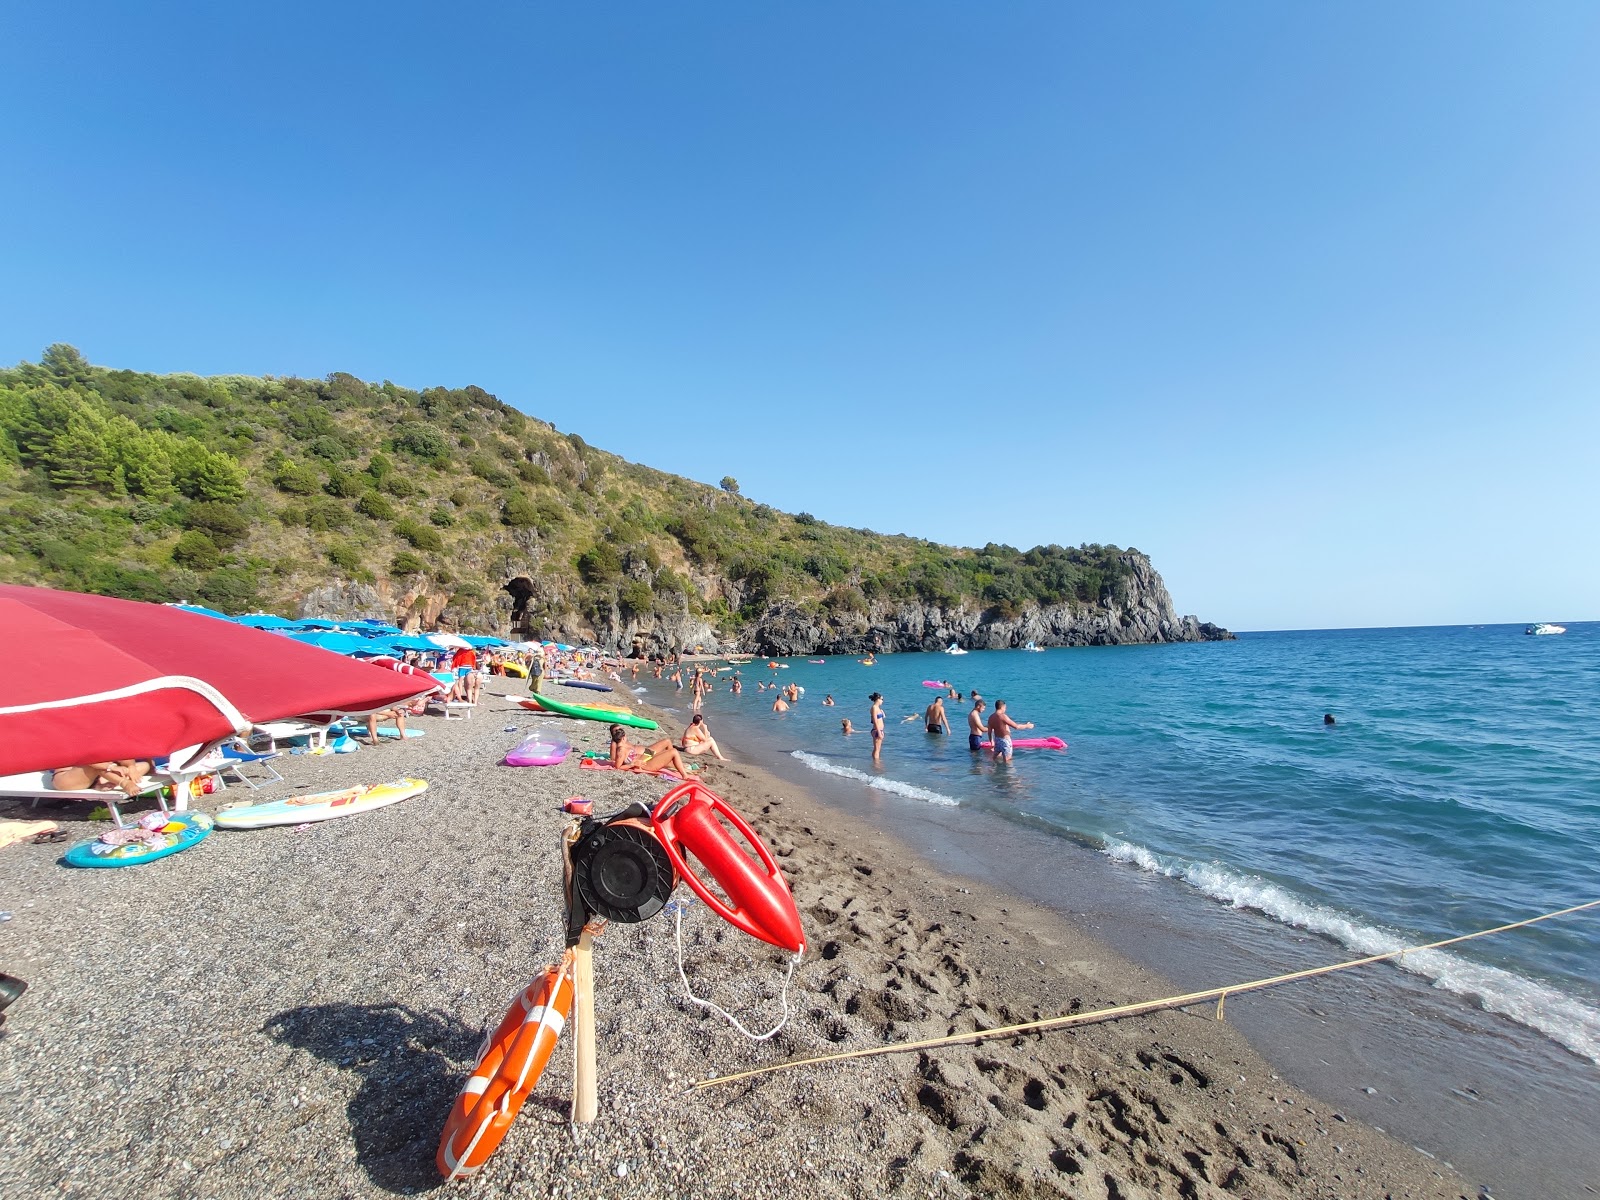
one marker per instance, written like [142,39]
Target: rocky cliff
[1145,616]
[788,627]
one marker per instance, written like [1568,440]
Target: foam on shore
[1539,1006]
[877,782]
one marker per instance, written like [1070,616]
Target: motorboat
[1032,648]
[1541,629]
[952,648]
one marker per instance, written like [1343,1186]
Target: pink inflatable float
[542,748]
[1047,743]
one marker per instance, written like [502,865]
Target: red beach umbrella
[95,679]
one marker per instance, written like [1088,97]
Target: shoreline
[1503,1102]
[293,1012]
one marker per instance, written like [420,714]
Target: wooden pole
[585,1094]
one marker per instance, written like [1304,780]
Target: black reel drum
[620,871]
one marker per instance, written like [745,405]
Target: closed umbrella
[96,679]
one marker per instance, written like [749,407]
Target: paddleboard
[181,832]
[541,748]
[934,683]
[586,712]
[1044,743]
[393,731]
[321,806]
[584,683]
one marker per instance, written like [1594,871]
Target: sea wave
[1539,1006]
[881,783]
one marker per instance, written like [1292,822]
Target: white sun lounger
[35,786]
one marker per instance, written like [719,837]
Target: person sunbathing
[397,715]
[647,760]
[697,739]
[125,775]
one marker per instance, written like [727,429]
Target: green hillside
[244,493]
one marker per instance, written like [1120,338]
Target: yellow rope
[1219,994]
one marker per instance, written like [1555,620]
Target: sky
[1301,300]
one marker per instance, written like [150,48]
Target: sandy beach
[291,1012]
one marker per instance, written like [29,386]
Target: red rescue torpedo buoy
[691,818]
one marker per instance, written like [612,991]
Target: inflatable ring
[509,1064]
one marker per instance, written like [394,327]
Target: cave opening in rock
[521,589]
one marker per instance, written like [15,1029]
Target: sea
[1206,821]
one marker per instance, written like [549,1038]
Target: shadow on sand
[408,1080]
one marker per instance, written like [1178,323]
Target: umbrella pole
[585,1097]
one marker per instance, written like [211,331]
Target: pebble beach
[291,1012]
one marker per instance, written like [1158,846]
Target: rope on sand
[1219,994]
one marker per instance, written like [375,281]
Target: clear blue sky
[1301,299]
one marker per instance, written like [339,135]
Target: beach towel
[600,764]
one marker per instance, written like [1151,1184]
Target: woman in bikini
[646,760]
[697,739]
[877,725]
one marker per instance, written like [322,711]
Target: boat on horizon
[1543,628]
[952,648]
[1032,648]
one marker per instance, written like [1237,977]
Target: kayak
[516,670]
[320,806]
[587,712]
[541,748]
[584,683]
[182,831]
[1044,743]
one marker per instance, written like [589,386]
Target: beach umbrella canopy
[202,610]
[265,621]
[449,641]
[483,643]
[368,626]
[317,623]
[341,643]
[96,679]
[408,641]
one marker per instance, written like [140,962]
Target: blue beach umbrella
[341,643]
[317,623]
[484,643]
[408,641]
[370,627]
[202,610]
[264,621]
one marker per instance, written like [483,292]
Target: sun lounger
[35,786]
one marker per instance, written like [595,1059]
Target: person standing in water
[936,721]
[1000,727]
[877,726]
[976,726]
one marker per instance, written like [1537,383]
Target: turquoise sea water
[1460,788]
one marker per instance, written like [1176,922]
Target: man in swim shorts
[936,721]
[1000,727]
[976,728]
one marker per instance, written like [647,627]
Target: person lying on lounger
[125,775]
[397,715]
[647,760]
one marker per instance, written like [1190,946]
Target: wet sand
[291,1012]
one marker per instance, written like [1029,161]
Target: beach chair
[317,735]
[35,786]
[236,756]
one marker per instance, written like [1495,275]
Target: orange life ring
[508,1066]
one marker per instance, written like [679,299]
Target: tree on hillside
[730,485]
